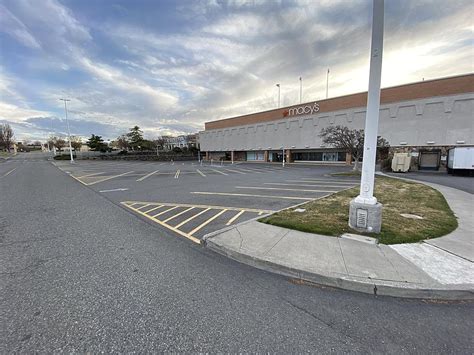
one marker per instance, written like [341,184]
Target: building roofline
[385,89]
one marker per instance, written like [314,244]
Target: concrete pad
[258,238]
[309,252]
[444,267]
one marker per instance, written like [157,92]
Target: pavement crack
[278,241]
[327,324]
[241,238]
[342,254]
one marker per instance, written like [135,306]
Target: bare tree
[122,142]
[159,144]
[58,142]
[76,143]
[350,140]
[6,136]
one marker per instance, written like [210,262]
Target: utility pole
[278,85]
[68,129]
[327,84]
[365,212]
[301,89]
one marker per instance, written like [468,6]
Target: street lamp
[278,85]
[327,83]
[68,129]
[301,89]
[365,212]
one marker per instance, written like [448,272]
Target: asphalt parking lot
[193,199]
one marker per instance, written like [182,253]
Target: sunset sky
[169,66]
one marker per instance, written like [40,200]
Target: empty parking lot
[193,199]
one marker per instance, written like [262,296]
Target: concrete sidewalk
[441,268]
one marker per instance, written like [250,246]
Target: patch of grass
[347,173]
[330,215]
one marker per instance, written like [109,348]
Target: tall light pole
[68,129]
[278,85]
[327,83]
[301,89]
[365,212]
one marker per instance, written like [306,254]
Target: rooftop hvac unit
[401,162]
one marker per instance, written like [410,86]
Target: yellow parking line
[139,208]
[281,189]
[234,218]
[199,206]
[191,218]
[200,172]
[179,214]
[220,172]
[154,208]
[177,174]
[147,175]
[193,239]
[235,171]
[252,195]
[206,223]
[108,178]
[325,182]
[163,212]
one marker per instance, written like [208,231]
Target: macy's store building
[424,118]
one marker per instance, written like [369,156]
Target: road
[80,273]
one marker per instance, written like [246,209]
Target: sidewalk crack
[278,241]
[342,254]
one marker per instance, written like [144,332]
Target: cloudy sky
[169,66]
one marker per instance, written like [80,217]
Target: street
[81,271]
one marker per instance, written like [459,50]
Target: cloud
[171,68]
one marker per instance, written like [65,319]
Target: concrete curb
[369,286]
[377,288]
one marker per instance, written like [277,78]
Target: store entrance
[276,157]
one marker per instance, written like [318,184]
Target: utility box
[461,159]
[401,162]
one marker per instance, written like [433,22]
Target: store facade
[425,118]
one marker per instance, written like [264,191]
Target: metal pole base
[365,218]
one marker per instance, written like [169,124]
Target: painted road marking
[191,218]
[113,190]
[163,212]
[174,229]
[252,195]
[200,172]
[251,170]
[107,178]
[84,176]
[235,171]
[9,172]
[139,208]
[303,185]
[281,189]
[324,182]
[220,172]
[232,220]
[177,174]
[129,203]
[148,211]
[178,214]
[207,222]
[147,175]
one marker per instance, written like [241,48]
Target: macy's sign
[302,110]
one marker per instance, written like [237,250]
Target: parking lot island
[440,268]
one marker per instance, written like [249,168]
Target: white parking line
[8,173]
[200,172]
[281,189]
[220,172]
[235,171]
[108,178]
[252,195]
[302,185]
[147,175]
